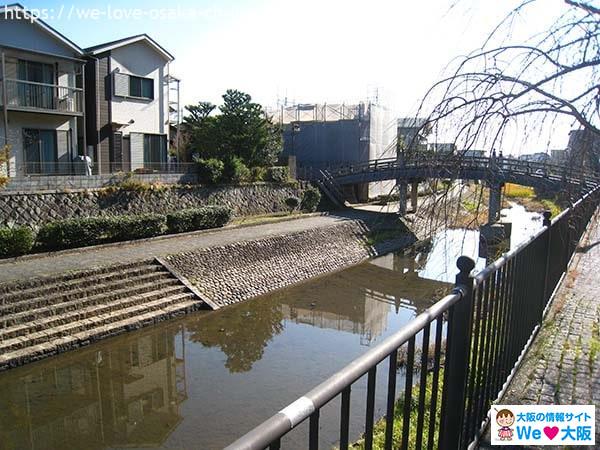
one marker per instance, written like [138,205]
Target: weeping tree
[511,85]
[513,91]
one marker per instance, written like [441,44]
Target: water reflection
[242,332]
[242,363]
[356,300]
[104,396]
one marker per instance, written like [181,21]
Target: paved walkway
[116,254]
[563,364]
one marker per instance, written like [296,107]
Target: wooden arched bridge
[494,171]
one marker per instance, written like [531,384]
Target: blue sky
[305,51]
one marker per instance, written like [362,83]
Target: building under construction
[322,135]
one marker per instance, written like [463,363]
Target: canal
[200,382]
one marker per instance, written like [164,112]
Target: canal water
[202,381]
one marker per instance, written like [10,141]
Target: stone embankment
[232,273]
[41,317]
[37,208]
[50,315]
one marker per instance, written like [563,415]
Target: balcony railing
[30,95]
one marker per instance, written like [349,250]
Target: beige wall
[149,116]
[17,121]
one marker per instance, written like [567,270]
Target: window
[155,151]
[34,87]
[141,87]
[35,71]
[40,151]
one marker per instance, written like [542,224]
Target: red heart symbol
[551,432]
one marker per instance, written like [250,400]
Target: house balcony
[30,96]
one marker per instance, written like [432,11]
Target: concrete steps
[51,315]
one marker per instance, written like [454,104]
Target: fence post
[457,358]
[546,290]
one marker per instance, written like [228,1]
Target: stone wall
[237,272]
[34,209]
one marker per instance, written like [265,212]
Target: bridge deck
[493,170]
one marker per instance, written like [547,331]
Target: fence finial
[466,266]
[547,215]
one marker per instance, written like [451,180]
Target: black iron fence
[78,166]
[449,384]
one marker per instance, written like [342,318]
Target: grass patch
[470,206]
[265,218]
[379,236]
[551,206]
[517,191]
[379,428]
[594,344]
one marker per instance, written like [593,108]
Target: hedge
[278,174]
[82,232]
[126,228]
[292,203]
[311,198]
[198,218]
[15,241]
[235,171]
[210,171]
[72,233]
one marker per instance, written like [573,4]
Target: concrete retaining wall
[34,209]
[237,272]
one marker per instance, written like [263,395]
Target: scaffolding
[174,114]
[312,112]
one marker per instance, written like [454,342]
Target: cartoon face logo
[505,418]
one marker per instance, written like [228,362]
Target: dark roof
[111,43]
[43,24]
[134,38]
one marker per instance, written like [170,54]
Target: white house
[128,104]
[41,95]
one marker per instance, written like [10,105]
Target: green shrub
[235,171]
[130,183]
[311,198]
[126,228]
[292,203]
[198,218]
[258,173]
[278,174]
[72,233]
[210,171]
[15,241]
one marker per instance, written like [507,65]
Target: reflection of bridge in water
[362,307]
[103,397]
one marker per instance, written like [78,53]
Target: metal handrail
[491,319]
[301,409]
[37,83]
[31,95]
[456,162]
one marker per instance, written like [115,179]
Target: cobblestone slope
[236,272]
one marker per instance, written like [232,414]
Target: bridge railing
[454,164]
[478,334]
